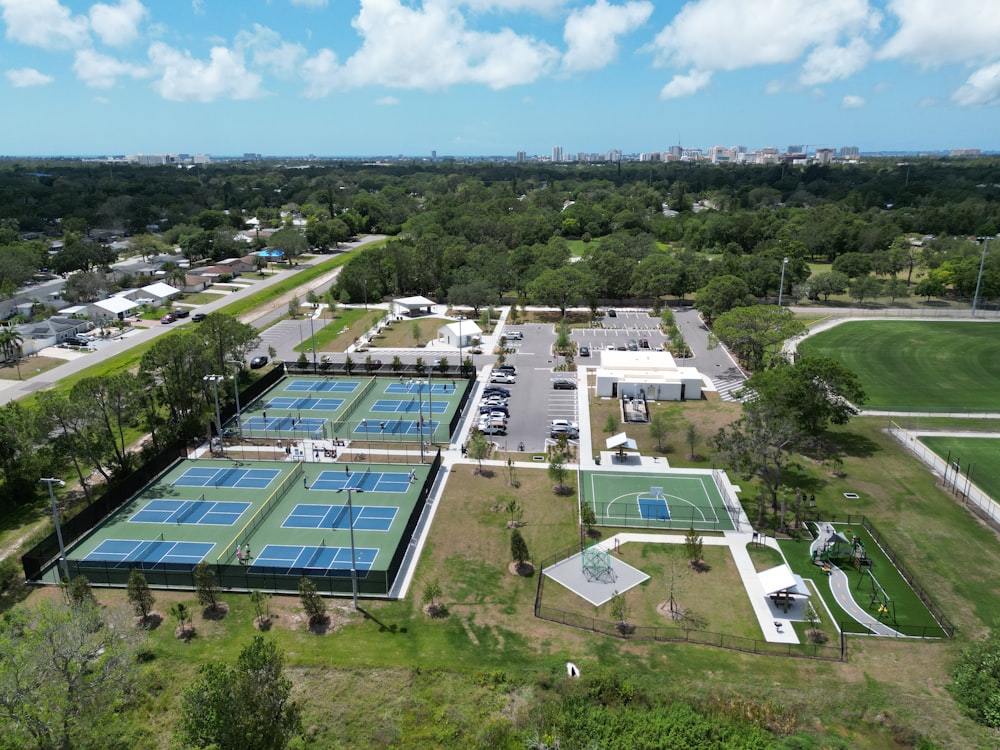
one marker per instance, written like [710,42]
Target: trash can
[597,460]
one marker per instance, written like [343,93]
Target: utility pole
[55,517]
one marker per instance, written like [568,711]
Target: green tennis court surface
[680,499]
[285,519]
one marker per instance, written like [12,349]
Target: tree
[588,517]
[933,284]
[865,287]
[66,672]
[853,265]
[432,592]
[557,471]
[619,612]
[693,546]
[828,283]
[562,287]
[896,289]
[79,593]
[182,613]
[659,427]
[416,332]
[815,391]
[976,679]
[294,307]
[479,448]
[139,595]
[722,294]
[260,600]
[754,333]
[207,586]
[244,706]
[312,602]
[518,548]
[691,435]
[611,424]
[290,241]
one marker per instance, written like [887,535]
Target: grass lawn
[200,298]
[339,333]
[401,333]
[919,365]
[29,367]
[981,454]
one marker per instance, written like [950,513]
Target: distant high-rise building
[849,152]
[434,155]
[557,153]
[522,156]
[794,150]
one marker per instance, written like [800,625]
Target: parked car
[584,351]
[633,345]
[612,313]
[181,312]
[563,423]
[570,432]
[494,409]
[643,343]
[509,369]
[495,390]
[562,384]
[257,362]
[514,336]
[168,318]
[493,429]
[198,317]
[502,377]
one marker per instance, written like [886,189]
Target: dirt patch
[287,613]
[525,569]
[216,612]
[671,611]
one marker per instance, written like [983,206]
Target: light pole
[214,380]
[312,334]
[365,282]
[420,424]
[461,362]
[781,287]
[350,525]
[55,517]
[236,392]
[979,279]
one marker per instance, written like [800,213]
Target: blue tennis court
[124,551]
[364,517]
[409,405]
[204,512]
[286,402]
[366,481]
[408,388]
[294,558]
[654,508]
[285,424]
[337,386]
[395,427]
[234,478]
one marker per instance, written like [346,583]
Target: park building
[646,374]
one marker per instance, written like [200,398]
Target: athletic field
[918,365]
[679,499]
[981,456]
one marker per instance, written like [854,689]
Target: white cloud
[198,7]
[24,77]
[427,48]
[309,3]
[267,50]
[117,25]
[775,87]
[927,101]
[44,23]
[102,71]
[184,78]
[387,101]
[685,85]
[539,7]
[982,87]
[591,33]
[935,32]
[852,102]
[831,63]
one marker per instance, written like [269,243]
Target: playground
[261,525]
[676,499]
[354,408]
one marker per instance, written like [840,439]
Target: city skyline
[481,77]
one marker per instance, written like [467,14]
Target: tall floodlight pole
[781,288]
[236,392]
[430,409]
[461,365]
[214,380]
[365,282]
[312,334]
[420,424]
[979,279]
[350,525]
[55,517]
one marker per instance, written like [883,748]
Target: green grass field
[980,455]
[917,365]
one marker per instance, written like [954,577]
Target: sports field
[679,499]
[260,524]
[917,365]
[355,408]
[980,456]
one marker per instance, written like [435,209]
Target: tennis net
[315,555]
[186,513]
[353,406]
[244,534]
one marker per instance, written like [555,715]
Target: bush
[976,680]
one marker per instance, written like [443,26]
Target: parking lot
[618,331]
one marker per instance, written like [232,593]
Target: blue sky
[493,77]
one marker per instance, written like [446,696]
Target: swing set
[880,600]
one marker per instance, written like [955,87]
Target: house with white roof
[111,308]
[459,334]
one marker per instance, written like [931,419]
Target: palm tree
[175,274]
[10,344]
